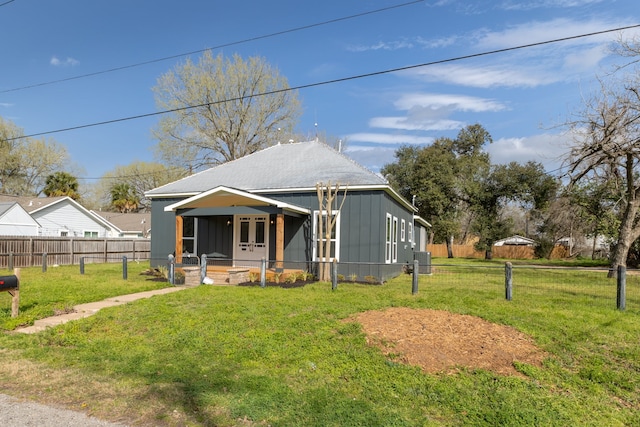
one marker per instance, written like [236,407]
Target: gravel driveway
[16,413]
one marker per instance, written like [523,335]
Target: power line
[6,3]
[327,82]
[180,55]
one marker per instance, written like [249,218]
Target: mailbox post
[11,284]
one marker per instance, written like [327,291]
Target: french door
[251,240]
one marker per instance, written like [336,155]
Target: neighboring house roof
[127,223]
[15,221]
[4,207]
[33,205]
[515,241]
[280,167]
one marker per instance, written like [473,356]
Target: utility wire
[327,82]
[180,55]
[6,3]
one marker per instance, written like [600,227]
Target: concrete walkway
[85,310]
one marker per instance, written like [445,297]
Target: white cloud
[5,104]
[530,5]
[431,112]
[540,31]
[382,45]
[437,101]
[68,62]
[547,149]
[406,123]
[383,138]
[499,75]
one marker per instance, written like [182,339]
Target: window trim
[387,238]
[394,241]
[335,240]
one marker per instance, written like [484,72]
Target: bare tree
[327,217]
[607,147]
[222,109]
[25,163]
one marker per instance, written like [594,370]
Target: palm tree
[61,184]
[123,198]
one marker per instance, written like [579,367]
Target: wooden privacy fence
[506,251]
[30,251]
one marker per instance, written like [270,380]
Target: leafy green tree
[222,109]
[598,208]
[123,198]
[442,177]
[61,184]
[527,185]
[25,163]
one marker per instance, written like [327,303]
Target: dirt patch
[439,341]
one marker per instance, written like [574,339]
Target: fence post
[172,269]
[263,272]
[124,267]
[44,262]
[203,267]
[621,299]
[414,283]
[508,280]
[428,271]
[81,265]
[10,261]
[334,275]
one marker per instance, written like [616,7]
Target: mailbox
[8,282]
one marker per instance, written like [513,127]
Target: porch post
[178,239]
[279,241]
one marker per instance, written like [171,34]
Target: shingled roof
[282,166]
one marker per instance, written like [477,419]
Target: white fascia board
[265,200]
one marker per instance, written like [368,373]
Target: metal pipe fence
[519,284]
[536,285]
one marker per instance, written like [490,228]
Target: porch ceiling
[227,197]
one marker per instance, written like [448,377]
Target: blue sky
[518,96]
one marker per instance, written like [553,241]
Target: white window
[189,235]
[394,242]
[321,235]
[90,234]
[402,230]
[410,233]
[63,233]
[387,232]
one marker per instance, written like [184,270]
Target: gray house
[265,205]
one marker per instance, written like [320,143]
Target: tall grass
[292,357]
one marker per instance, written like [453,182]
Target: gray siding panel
[163,230]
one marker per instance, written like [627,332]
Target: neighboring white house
[61,216]
[515,241]
[15,221]
[129,225]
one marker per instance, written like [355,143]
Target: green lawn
[286,357]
